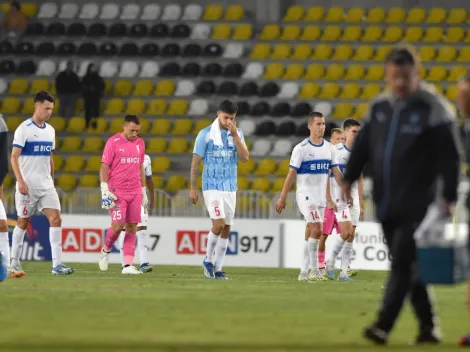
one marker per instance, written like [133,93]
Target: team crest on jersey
[312,207]
[117,139]
[138,149]
[215,203]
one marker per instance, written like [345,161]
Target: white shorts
[3,213]
[310,210]
[144,218]
[220,205]
[346,213]
[36,201]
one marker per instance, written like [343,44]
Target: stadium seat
[427,53]
[331,33]
[314,72]
[135,106]
[161,164]
[324,107]
[213,13]
[374,73]
[290,32]
[433,35]
[234,13]
[109,11]
[66,182]
[436,16]
[233,51]
[242,32]
[76,125]
[446,54]
[370,90]
[311,33]
[71,144]
[334,72]
[351,34]
[3,86]
[334,14]
[88,181]
[354,15]
[260,51]
[38,85]
[464,55]
[89,11]
[18,86]
[452,93]
[372,34]
[93,164]
[10,105]
[395,15]
[322,52]
[261,184]
[342,110]
[74,163]
[456,73]
[143,88]
[415,15]
[282,147]
[274,71]
[261,147]
[413,34]
[314,14]
[165,88]
[350,91]
[375,15]
[161,126]
[392,34]
[247,167]
[177,107]
[265,167]
[221,31]
[294,13]
[129,69]
[47,10]
[198,107]
[309,90]
[192,12]
[281,52]
[58,161]
[172,12]
[92,144]
[360,111]
[122,88]
[182,127]
[114,106]
[436,74]
[363,53]
[46,68]
[329,91]
[246,125]
[270,32]
[68,11]
[130,12]
[28,106]
[100,126]
[454,35]
[13,122]
[175,183]
[156,107]
[301,52]
[457,16]
[150,12]
[294,72]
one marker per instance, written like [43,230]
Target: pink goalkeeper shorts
[329,222]
[128,208]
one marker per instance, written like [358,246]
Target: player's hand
[463,98]
[280,205]
[193,196]
[232,127]
[361,212]
[346,192]
[107,198]
[23,187]
[332,205]
[145,200]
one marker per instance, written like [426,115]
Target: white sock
[345,259]
[305,260]
[143,245]
[211,243]
[220,250]
[55,238]
[17,245]
[337,247]
[121,245]
[5,246]
[313,254]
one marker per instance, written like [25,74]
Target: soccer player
[221,145]
[329,222]
[310,161]
[348,217]
[142,236]
[33,165]
[123,192]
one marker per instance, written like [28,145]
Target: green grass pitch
[175,309]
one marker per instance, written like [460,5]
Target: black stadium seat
[24,48]
[249,89]
[261,108]
[269,89]
[180,31]
[281,109]
[286,128]
[243,108]
[117,30]
[129,49]
[170,50]
[191,69]
[228,88]
[302,130]
[138,30]
[76,30]
[45,49]
[212,70]
[55,29]
[233,70]
[301,110]
[265,128]
[7,67]
[150,50]
[107,49]
[34,29]
[6,48]
[206,88]
[87,49]
[170,69]
[212,50]
[66,49]
[96,30]
[26,68]
[160,30]
[192,50]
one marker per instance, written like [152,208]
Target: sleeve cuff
[18,146]
[148,176]
[333,165]
[295,168]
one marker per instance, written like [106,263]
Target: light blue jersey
[220,163]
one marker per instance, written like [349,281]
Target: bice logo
[195,242]
[83,240]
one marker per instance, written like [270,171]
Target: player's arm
[3,152]
[194,171]
[294,167]
[200,146]
[151,188]
[107,198]
[18,143]
[52,168]
[242,150]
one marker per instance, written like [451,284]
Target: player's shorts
[3,213]
[220,205]
[144,218]
[346,213]
[330,222]
[37,200]
[310,210]
[128,208]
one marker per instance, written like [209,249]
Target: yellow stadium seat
[156,107]
[314,14]
[381,53]
[74,163]
[464,55]
[123,87]
[99,125]
[413,34]
[28,106]
[265,167]
[108,86]
[343,110]
[331,33]
[200,124]
[350,91]
[144,125]
[29,9]
[182,127]
[156,145]
[436,15]
[309,90]
[18,86]
[355,72]
[375,15]
[8,182]
[457,16]
[294,72]
[422,72]
[375,73]
[5,7]
[213,13]
[165,88]
[221,31]
[13,122]
[92,144]
[93,163]
[322,52]
[66,182]
[342,53]
[76,125]
[456,73]
[274,71]
[281,52]
[334,14]
[38,85]
[416,15]
[301,52]
[370,91]
[395,15]
[242,31]
[135,106]
[392,34]
[446,54]
[290,32]
[329,91]
[243,183]
[294,13]
[360,111]
[351,34]
[177,146]
[372,34]
[311,33]
[161,126]
[261,184]
[178,107]
[115,126]
[58,123]
[454,35]
[160,164]
[260,51]
[158,183]
[436,74]
[270,32]
[282,167]
[114,106]
[452,93]
[58,161]
[71,144]
[334,72]
[363,53]
[234,13]
[143,88]
[88,181]
[354,15]
[427,53]
[314,72]
[433,35]
[58,143]
[246,168]
[175,183]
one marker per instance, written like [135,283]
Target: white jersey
[37,144]
[342,154]
[312,163]
[147,166]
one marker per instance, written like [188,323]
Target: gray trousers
[67,105]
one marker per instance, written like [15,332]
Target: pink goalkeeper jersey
[124,159]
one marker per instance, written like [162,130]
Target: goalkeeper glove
[145,200]
[107,198]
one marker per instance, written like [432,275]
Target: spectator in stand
[93,89]
[14,23]
[67,85]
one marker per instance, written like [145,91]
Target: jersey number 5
[216,210]
[116,215]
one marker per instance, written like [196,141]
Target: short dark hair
[228,106]
[132,118]
[314,114]
[336,130]
[403,55]
[43,96]
[351,123]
